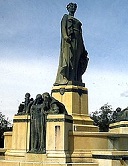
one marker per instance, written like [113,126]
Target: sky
[30,46]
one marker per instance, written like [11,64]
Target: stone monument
[56,130]
[73,62]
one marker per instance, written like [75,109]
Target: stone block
[85,128]
[21,132]
[9,163]
[57,144]
[19,139]
[75,98]
[110,158]
[119,127]
[7,140]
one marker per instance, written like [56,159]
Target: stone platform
[65,146]
[71,140]
[58,146]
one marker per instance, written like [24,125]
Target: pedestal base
[75,99]
[19,138]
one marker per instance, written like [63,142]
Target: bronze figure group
[38,110]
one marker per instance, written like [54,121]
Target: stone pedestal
[75,99]
[57,144]
[8,140]
[20,137]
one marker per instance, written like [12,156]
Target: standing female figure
[73,56]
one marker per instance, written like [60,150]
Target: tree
[5,125]
[102,117]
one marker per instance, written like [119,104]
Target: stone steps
[16,163]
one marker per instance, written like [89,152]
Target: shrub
[102,117]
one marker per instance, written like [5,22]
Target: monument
[73,62]
[56,130]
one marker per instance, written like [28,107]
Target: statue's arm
[64,28]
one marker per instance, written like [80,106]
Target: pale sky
[30,46]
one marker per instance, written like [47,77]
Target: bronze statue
[42,106]
[24,107]
[37,138]
[124,115]
[120,115]
[51,105]
[73,55]
[116,116]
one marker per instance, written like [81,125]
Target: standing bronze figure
[73,55]
[38,127]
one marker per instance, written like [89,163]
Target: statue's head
[39,99]
[118,109]
[27,95]
[71,7]
[46,96]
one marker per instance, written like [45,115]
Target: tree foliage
[102,117]
[5,125]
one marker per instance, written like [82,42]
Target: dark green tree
[102,117]
[5,125]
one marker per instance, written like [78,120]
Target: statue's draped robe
[73,56]
[38,129]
